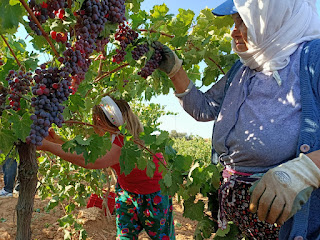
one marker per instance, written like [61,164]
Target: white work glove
[281,192]
[170,63]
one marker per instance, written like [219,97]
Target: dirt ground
[45,226]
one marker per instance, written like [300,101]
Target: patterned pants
[236,208]
[151,212]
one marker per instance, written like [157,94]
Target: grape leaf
[192,210]
[21,126]
[11,16]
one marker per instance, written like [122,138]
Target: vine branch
[110,72]
[100,67]
[12,52]
[217,65]
[26,6]
[90,125]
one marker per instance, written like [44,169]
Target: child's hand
[53,137]
[45,145]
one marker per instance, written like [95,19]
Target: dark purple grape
[139,51]
[152,64]
[19,85]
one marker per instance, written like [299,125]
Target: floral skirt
[151,212]
[234,202]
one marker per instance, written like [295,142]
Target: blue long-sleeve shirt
[257,124]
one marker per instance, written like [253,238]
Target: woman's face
[239,33]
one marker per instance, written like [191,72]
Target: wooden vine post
[27,176]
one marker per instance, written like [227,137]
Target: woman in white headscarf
[266,111]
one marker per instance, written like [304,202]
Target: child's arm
[109,159]
[53,137]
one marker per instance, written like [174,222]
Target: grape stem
[217,65]
[12,52]
[23,97]
[115,132]
[110,72]
[154,31]
[26,6]
[99,77]
[100,67]
[109,92]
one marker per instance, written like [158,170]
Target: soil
[45,225]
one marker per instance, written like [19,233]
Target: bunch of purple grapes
[3,97]
[76,58]
[101,43]
[153,63]
[54,6]
[19,84]
[139,51]
[91,19]
[52,88]
[117,11]
[125,35]
[43,11]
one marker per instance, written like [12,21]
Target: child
[139,202]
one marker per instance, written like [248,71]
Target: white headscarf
[275,30]
[112,111]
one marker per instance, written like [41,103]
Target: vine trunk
[28,169]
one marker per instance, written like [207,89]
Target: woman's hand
[172,66]
[170,63]
[282,191]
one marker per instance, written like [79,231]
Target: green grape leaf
[138,19]
[159,11]
[151,167]
[182,163]
[193,210]
[11,16]
[21,126]
[82,141]
[170,151]
[167,179]
[142,163]
[130,154]
[7,140]
[232,233]
[162,137]
[223,233]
